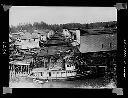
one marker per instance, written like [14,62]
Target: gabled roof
[35,35]
[19,62]
[39,31]
[15,36]
[26,36]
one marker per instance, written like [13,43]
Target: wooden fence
[16,71]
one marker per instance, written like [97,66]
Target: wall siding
[93,43]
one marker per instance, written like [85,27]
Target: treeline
[58,27]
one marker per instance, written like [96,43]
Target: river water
[87,83]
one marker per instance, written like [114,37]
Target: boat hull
[53,74]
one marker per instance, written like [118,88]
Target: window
[110,45]
[49,73]
[102,45]
[41,73]
[74,37]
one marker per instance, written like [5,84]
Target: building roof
[41,32]
[39,69]
[15,36]
[30,36]
[29,45]
[23,62]
[19,63]
[35,35]
[52,50]
[26,36]
[43,52]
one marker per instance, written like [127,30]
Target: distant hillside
[57,27]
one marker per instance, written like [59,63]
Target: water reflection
[87,83]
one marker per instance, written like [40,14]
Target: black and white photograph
[62,47]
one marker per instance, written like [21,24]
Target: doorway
[49,74]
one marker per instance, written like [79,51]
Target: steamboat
[56,57]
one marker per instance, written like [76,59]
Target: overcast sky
[61,15]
